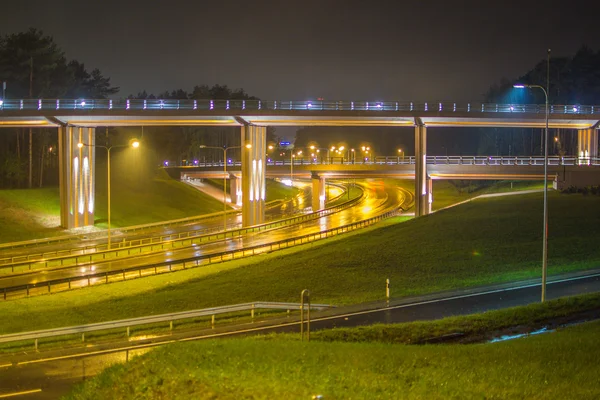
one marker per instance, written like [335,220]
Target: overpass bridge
[560,171]
[77,119]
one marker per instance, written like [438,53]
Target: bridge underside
[95,118]
[78,165]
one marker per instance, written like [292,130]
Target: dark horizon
[335,50]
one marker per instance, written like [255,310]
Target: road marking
[230,333]
[5,365]
[3,396]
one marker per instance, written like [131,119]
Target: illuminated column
[587,145]
[76,176]
[235,189]
[318,192]
[422,186]
[253,174]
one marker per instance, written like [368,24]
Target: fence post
[387,292]
[128,332]
[305,294]
[171,326]
[212,321]
[252,312]
[36,344]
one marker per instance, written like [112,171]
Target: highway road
[51,377]
[277,211]
[377,199]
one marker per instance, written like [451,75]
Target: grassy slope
[34,213]
[158,199]
[278,369]
[486,241]
[28,214]
[273,191]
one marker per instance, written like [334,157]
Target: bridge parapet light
[520,86]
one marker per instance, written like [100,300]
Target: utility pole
[30,130]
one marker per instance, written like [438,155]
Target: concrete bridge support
[318,192]
[587,140]
[423,184]
[77,171]
[235,189]
[254,140]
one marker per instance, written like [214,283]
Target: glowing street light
[248,146]
[545,233]
[133,143]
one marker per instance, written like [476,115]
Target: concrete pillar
[318,192]
[422,186]
[235,189]
[587,145]
[253,174]
[77,171]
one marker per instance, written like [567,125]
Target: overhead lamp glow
[82,104]
[519,86]
[575,109]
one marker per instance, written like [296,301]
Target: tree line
[33,66]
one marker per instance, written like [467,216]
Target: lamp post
[402,154]
[248,146]
[545,235]
[133,143]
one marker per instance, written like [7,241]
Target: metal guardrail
[182,264]
[183,239]
[153,319]
[96,247]
[131,105]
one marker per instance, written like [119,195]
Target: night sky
[335,49]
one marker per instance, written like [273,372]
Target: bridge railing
[187,104]
[435,160]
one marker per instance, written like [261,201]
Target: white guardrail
[152,319]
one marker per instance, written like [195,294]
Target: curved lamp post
[545,235]
[133,143]
[248,146]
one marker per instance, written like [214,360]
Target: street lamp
[401,153]
[133,143]
[545,235]
[248,146]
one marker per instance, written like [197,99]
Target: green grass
[552,366]
[29,214]
[352,193]
[448,192]
[482,242]
[274,190]
[475,327]
[151,200]
[35,213]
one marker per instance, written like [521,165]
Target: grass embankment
[448,192]
[274,190]
[351,193]
[29,214]
[35,213]
[482,242]
[475,327]
[552,366]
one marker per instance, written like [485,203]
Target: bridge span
[560,171]
[77,119]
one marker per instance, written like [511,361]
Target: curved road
[377,199]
